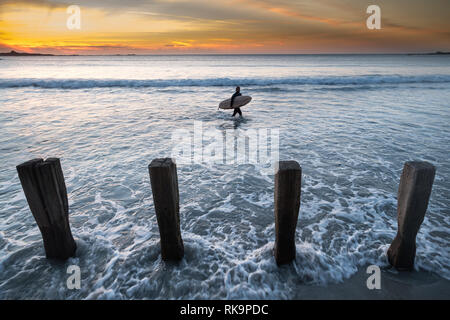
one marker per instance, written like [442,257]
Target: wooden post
[46,193]
[288,176]
[413,195]
[164,181]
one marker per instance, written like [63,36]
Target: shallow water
[350,121]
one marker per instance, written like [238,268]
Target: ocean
[351,121]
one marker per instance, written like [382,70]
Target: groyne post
[166,199]
[412,201]
[46,194]
[288,176]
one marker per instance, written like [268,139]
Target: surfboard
[238,102]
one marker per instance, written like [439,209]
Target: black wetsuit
[236,110]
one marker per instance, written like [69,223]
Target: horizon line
[438,52]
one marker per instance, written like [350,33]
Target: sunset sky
[217,26]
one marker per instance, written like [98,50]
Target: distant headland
[431,53]
[15,53]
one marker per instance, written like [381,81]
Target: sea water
[351,121]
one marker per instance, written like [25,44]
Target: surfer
[236,94]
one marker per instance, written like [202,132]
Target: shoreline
[414,285]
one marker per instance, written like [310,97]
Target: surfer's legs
[237,110]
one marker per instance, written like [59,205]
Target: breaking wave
[217,82]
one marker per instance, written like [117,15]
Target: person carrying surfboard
[236,94]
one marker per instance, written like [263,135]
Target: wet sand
[415,285]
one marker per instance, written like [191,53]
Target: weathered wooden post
[413,195]
[288,177]
[46,193]
[166,198]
